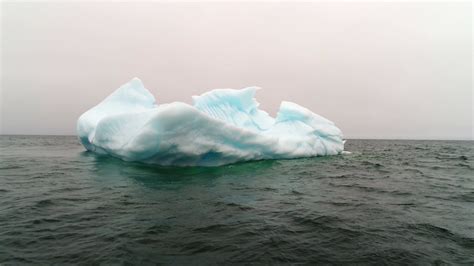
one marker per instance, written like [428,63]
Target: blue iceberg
[223,126]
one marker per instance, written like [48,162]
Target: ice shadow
[110,168]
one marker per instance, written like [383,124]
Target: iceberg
[223,126]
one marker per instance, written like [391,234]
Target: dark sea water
[389,202]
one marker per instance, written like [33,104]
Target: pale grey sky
[378,70]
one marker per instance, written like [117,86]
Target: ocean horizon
[348,138]
[388,202]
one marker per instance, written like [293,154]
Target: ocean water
[389,202]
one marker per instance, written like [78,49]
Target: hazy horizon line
[347,138]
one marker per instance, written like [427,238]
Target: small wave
[269,189]
[44,203]
[214,228]
[311,220]
[465,165]
[414,170]
[342,176]
[45,220]
[421,148]
[392,256]
[10,167]
[369,163]
[241,207]
[445,156]
[371,189]
[196,247]
[433,231]
[466,197]
[147,240]
[296,192]
[157,229]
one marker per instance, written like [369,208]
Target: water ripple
[388,202]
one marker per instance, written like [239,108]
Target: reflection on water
[162,177]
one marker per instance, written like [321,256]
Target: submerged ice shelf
[222,126]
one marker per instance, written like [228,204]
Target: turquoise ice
[222,126]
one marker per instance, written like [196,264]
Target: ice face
[223,126]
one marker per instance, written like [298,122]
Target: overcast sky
[378,70]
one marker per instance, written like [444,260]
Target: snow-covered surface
[223,126]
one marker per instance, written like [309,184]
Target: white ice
[223,126]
